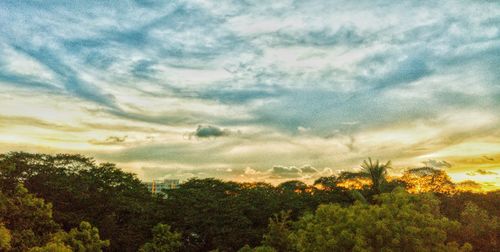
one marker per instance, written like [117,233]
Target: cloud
[481,172]
[27,81]
[166,118]
[6,121]
[403,69]
[285,172]
[111,140]
[69,77]
[144,69]
[208,131]
[250,171]
[240,95]
[157,172]
[274,175]
[303,129]
[437,163]
[308,169]
[326,36]
[280,172]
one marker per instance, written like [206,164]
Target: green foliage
[223,216]
[115,201]
[52,247]
[85,238]
[452,205]
[479,228]
[377,173]
[32,228]
[279,232]
[28,218]
[210,214]
[357,196]
[5,237]
[164,240]
[215,214]
[398,222]
[247,248]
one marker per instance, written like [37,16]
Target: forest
[72,203]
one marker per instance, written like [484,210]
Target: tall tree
[427,179]
[376,172]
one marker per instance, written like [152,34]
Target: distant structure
[157,186]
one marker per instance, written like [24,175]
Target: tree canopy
[398,222]
[72,203]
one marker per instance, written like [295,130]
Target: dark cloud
[111,140]
[144,69]
[209,131]
[351,145]
[481,172]
[389,69]
[99,60]
[437,163]
[148,3]
[411,69]
[291,171]
[285,172]
[308,169]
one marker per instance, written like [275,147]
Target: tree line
[71,203]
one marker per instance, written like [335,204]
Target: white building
[159,185]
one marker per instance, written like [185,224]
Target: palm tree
[376,172]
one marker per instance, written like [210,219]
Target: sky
[255,90]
